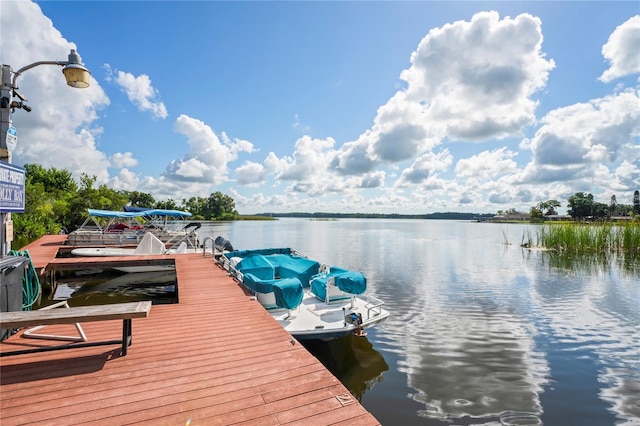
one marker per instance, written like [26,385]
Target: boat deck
[217,357]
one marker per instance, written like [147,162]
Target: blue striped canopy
[145,213]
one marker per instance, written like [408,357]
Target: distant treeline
[445,215]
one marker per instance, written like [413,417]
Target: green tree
[221,206]
[197,206]
[217,206]
[39,217]
[59,187]
[600,211]
[580,205]
[536,214]
[52,179]
[553,205]
[89,197]
[636,202]
[47,193]
[549,207]
[624,209]
[613,205]
[140,199]
[169,204]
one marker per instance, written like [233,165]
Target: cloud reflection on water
[473,359]
[596,311]
[483,332]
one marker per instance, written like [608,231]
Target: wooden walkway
[215,358]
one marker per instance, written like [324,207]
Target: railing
[373,304]
[189,237]
[204,246]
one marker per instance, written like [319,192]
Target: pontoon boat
[107,227]
[310,300]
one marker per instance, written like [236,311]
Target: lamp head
[75,72]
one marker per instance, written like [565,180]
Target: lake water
[482,331]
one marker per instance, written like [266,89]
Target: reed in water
[589,238]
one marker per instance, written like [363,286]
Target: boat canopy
[135,209]
[144,213]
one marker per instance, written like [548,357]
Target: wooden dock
[215,358]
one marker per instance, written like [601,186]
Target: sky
[367,107]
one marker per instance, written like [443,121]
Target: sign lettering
[12,188]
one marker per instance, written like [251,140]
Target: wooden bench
[79,314]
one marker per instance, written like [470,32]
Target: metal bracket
[29,333]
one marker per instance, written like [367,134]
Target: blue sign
[12,181]
[12,138]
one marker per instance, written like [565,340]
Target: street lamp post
[10,99]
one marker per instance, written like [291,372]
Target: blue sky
[390,107]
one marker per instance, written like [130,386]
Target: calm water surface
[482,331]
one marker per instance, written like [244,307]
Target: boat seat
[280,293]
[288,293]
[182,248]
[338,284]
[260,285]
[258,266]
[150,244]
[291,266]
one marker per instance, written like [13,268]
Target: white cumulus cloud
[487,164]
[208,158]
[469,80]
[622,50]
[139,90]
[251,173]
[121,160]
[61,129]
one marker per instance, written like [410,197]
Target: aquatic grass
[590,238]
[527,239]
[628,237]
[255,217]
[505,237]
